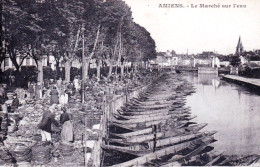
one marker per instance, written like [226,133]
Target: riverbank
[250,82]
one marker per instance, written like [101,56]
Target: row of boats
[156,128]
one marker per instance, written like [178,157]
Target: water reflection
[230,109]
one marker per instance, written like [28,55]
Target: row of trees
[73,29]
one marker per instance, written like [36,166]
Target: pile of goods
[21,153]
[66,149]
[41,153]
[5,156]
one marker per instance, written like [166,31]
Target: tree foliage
[57,27]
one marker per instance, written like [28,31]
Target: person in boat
[46,123]
[67,127]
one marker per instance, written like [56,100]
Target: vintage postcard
[130,83]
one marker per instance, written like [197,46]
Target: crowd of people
[60,92]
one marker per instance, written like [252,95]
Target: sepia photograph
[129,83]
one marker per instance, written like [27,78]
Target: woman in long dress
[38,92]
[54,96]
[67,127]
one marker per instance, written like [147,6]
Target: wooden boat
[144,148]
[187,118]
[135,112]
[138,109]
[214,160]
[142,120]
[179,114]
[138,126]
[196,128]
[255,162]
[145,99]
[135,133]
[157,154]
[155,104]
[145,131]
[151,111]
[156,107]
[148,137]
[148,146]
[205,142]
[156,93]
[159,101]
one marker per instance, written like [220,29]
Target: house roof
[224,58]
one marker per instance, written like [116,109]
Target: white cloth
[67,131]
[46,136]
[66,98]
[76,84]
[62,99]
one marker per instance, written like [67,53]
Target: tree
[19,30]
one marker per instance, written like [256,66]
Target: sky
[194,30]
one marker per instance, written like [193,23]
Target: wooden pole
[83,67]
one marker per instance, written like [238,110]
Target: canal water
[230,109]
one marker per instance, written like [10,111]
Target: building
[247,56]
[185,60]
[29,61]
[220,61]
[239,48]
[167,59]
[204,59]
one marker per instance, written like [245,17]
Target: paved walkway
[252,81]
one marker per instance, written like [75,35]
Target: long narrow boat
[143,116]
[147,102]
[175,158]
[161,98]
[151,106]
[141,132]
[135,133]
[150,111]
[149,137]
[170,107]
[151,103]
[138,108]
[214,160]
[134,112]
[138,126]
[155,105]
[145,99]
[157,154]
[143,148]
[142,120]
